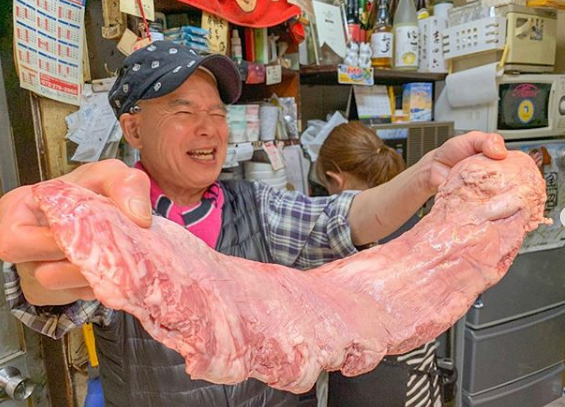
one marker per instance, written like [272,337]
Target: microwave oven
[528,107]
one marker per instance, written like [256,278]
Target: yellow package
[557,4]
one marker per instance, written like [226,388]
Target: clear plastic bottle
[406,35]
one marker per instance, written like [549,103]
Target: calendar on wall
[49,47]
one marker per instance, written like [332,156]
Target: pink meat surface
[232,319]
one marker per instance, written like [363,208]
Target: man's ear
[336,179]
[130,128]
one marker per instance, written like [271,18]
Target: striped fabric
[423,389]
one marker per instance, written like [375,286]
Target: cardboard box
[417,101]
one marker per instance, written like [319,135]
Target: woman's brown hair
[356,149]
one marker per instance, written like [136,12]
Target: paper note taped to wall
[49,43]
[127,42]
[93,127]
[218,28]
[132,7]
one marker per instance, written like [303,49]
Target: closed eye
[218,113]
[212,112]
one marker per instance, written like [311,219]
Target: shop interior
[416,73]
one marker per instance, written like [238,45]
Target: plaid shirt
[302,233]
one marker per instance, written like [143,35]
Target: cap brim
[227,75]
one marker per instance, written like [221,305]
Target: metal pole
[459,353]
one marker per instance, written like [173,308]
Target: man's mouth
[204,154]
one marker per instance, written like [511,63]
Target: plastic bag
[317,132]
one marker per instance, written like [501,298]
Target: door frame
[56,389]
[9,177]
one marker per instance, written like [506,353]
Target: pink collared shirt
[203,219]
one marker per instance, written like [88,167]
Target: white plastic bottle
[406,34]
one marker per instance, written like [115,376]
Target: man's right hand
[46,276]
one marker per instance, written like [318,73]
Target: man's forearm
[378,212]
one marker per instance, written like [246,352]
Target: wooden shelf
[327,75]
[290,86]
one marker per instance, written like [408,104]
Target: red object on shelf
[249,13]
[297,32]
[249,42]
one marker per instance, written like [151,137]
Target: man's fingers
[492,146]
[467,145]
[127,187]
[23,234]
[31,242]
[59,275]
[58,297]
[84,293]
[131,194]
[42,285]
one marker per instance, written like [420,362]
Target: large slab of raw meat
[232,318]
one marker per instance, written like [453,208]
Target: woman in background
[354,157]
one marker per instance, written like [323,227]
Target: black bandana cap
[163,66]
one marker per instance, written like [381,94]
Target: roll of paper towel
[473,86]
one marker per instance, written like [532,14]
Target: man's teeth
[202,154]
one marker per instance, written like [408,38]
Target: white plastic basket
[486,34]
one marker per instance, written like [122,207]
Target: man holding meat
[171,106]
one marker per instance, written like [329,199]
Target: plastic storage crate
[486,34]
[505,353]
[534,283]
[533,391]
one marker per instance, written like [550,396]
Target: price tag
[274,154]
[103,85]
[274,74]
[244,151]
[126,44]
[141,43]
[132,7]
